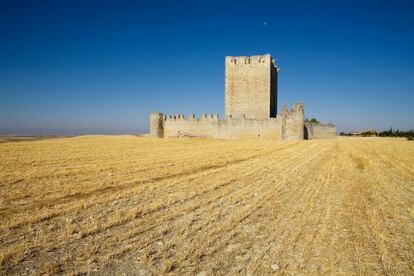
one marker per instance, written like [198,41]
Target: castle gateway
[250,109]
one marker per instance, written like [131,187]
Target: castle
[250,109]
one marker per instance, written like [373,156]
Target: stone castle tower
[251,87]
[250,109]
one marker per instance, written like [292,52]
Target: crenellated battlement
[297,108]
[191,117]
[247,60]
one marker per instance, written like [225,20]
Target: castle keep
[250,109]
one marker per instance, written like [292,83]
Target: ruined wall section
[250,89]
[293,122]
[210,126]
[320,131]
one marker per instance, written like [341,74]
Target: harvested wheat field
[137,205]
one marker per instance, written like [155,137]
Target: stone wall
[250,87]
[211,126]
[287,125]
[319,131]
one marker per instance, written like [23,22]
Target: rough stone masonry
[250,109]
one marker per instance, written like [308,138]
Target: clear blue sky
[71,67]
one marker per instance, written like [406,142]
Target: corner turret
[157,125]
[293,122]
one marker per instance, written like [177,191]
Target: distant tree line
[312,120]
[409,134]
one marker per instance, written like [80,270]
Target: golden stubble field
[136,205]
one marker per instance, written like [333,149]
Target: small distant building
[365,132]
[250,109]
